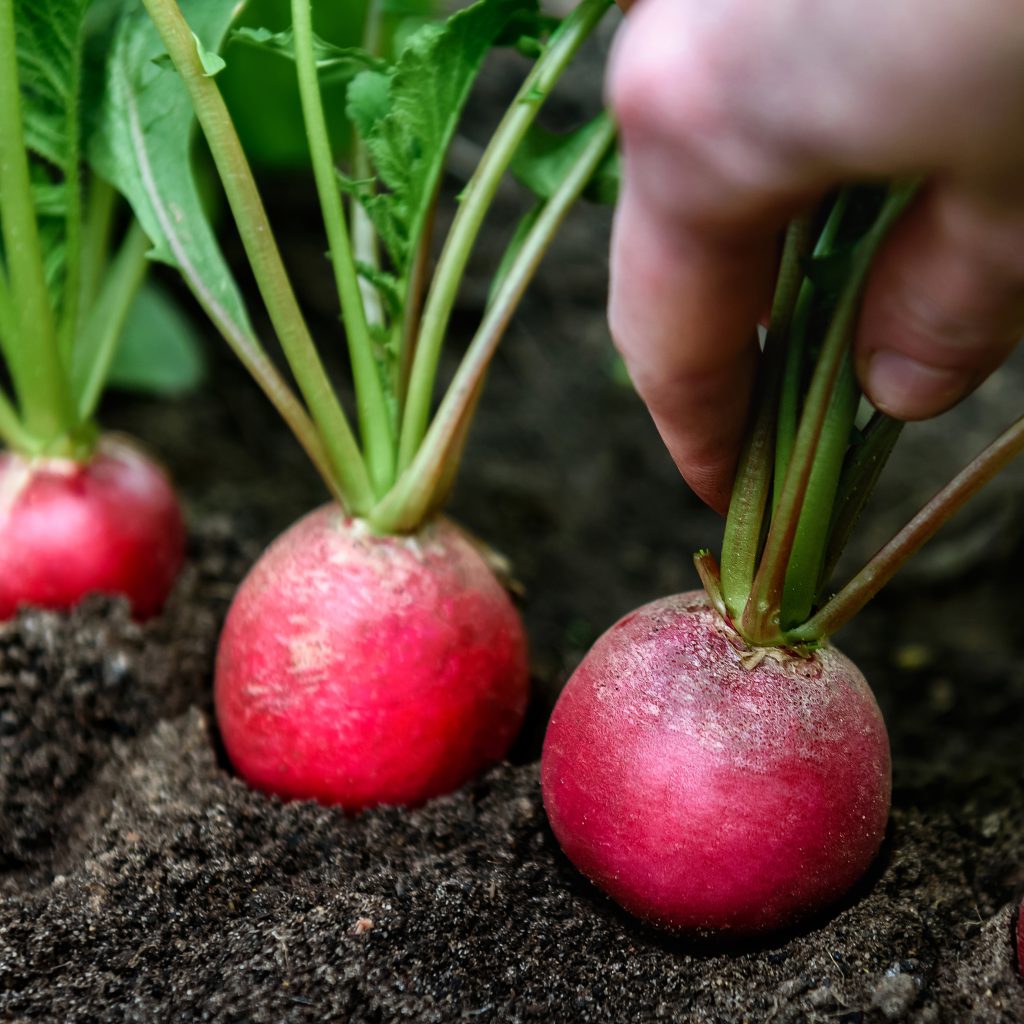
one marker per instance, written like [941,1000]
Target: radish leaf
[160,351]
[142,145]
[407,115]
[544,157]
[49,42]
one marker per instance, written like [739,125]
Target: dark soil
[139,881]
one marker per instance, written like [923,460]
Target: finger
[683,306]
[944,304]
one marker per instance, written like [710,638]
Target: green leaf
[408,115]
[142,146]
[544,158]
[49,42]
[211,61]
[327,56]
[160,351]
[829,272]
[50,198]
[387,285]
[508,258]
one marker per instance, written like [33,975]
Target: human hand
[735,116]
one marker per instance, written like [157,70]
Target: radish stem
[372,408]
[760,622]
[476,199]
[346,461]
[849,601]
[33,354]
[744,524]
[413,494]
[95,349]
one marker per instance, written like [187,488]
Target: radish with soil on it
[80,512]
[371,655]
[714,764]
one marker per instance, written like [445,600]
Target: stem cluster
[396,468]
[808,466]
[57,338]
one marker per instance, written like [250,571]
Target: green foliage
[160,351]
[335,63]
[544,157]
[49,39]
[407,115]
[143,147]
[271,129]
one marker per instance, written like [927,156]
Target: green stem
[97,343]
[33,355]
[852,598]
[98,226]
[12,433]
[233,329]
[372,407]
[863,467]
[346,462]
[364,237]
[476,200]
[412,306]
[793,374]
[744,524]
[70,308]
[9,327]
[412,497]
[711,577]
[807,554]
[760,620]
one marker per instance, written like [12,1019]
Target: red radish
[708,785]
[1019,935]
[358,669]
[371,656]
[111,525]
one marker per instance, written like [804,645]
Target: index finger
[683,308]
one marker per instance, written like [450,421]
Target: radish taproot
[714,764]
[706,785]
[359,669]
[371,656]
[109,525]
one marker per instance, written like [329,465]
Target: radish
[360,669]
[708,785]
[79,512]
[111,525]
[371,656]
[1018,930]
[714,765]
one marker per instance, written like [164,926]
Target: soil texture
[141,882]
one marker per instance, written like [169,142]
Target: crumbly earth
[141,882]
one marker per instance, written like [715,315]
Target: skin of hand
[735,115]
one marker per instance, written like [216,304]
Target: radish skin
[707,786]
[356,669]
[1019,937]
[111,525]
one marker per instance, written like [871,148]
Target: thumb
[944,304]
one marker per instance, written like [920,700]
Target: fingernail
[909,390]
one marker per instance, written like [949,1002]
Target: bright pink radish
[1019,936]
[357,669]
[705,785]
[111,525]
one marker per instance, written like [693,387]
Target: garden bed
[139,881]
